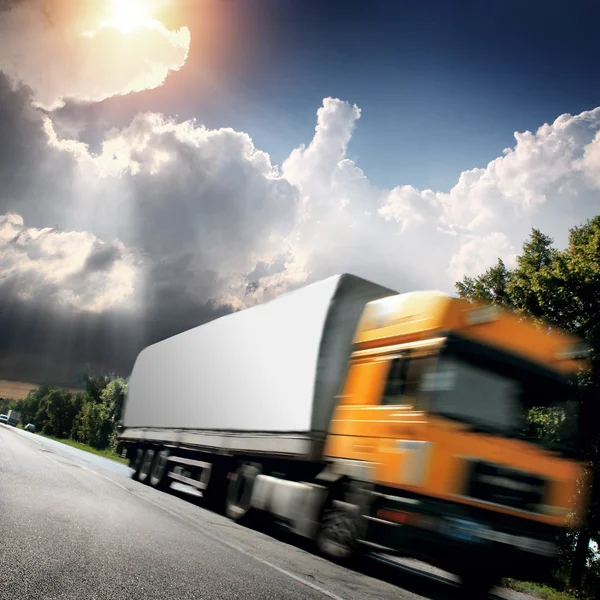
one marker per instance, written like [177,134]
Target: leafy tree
[33,406]
[61,408]
[559,288]
[100,410]
[113,397]
[93,385]
[490,286]
[7,404]
[93,425]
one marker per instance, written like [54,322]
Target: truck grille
[504,486]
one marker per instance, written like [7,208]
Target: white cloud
[549,179]
[408,206]
[214,219]
[216,203]
[64,49]
[590,162]
[478,253]
[71,268]
[205,206]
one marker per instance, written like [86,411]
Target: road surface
[74,525]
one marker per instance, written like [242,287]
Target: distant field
[15,390]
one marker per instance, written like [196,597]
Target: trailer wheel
[136,463]
[239,494]
[158,472]
[146,466]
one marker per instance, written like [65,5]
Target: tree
[490,286]
[100,410]
[93,425]
[61,408]
[559,288]
[6,404]
[113,397]
[33,406]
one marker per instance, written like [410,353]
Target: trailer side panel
[249,371]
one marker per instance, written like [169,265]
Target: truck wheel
[146,466]
[158,472]
[239,494]
[136,463]
[337,538]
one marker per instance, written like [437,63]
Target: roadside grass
[539,590]
[80,446]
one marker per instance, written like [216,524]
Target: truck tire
[146,466]
[158,473]
[136,462]
[238,505]
[338,536]
[341,524]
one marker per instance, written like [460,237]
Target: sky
[164,162]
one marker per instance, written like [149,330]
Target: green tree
[33,406]
[93,425]
[491,286]
[93,385]
[6,404]
[113,397]
[61,408]
[559,288]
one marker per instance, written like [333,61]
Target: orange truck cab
[433,416]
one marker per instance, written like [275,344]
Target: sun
[129,15]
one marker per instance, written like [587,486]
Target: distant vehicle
[4,419]
[30,427]
[13,417]
[367,419]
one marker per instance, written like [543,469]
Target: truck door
[404,445]
[381,419]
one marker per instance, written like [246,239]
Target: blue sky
[442,85]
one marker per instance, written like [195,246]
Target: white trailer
[244,402]
[261,380]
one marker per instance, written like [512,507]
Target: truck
[369,421]
[13,417]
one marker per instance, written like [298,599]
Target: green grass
[538,590]
[80,446]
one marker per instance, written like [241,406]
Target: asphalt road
[75,526]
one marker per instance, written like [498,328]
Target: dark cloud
[180,223]
[35,180]
[101,258]
[42,342]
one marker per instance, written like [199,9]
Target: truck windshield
[497,397]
